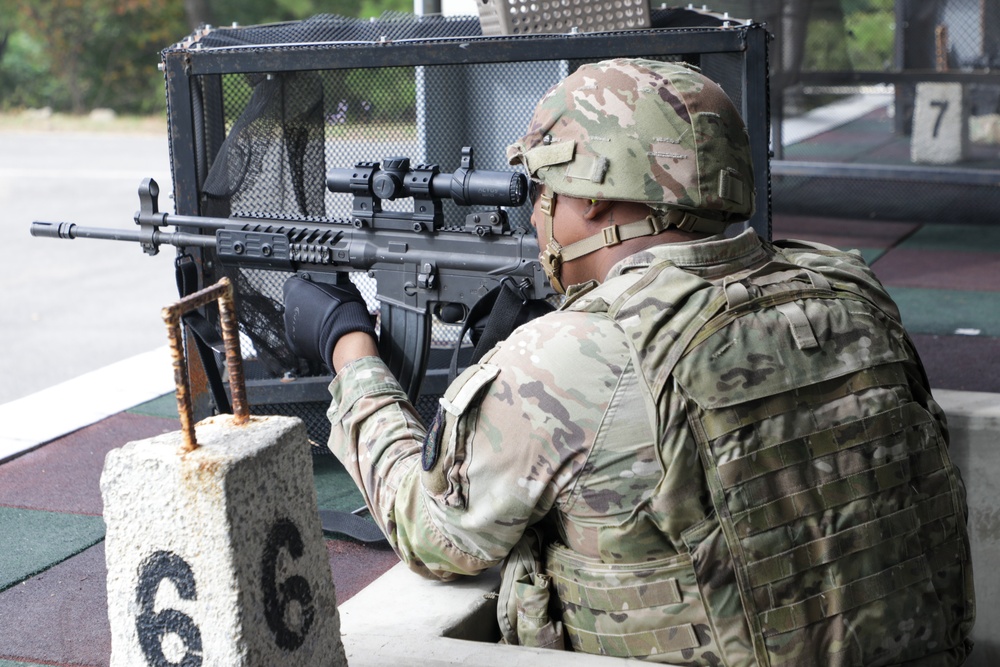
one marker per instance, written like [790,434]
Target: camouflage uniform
[725,453]
[827,465]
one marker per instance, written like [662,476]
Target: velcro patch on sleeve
[432,441]
[468,386]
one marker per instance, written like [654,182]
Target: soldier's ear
[597,208]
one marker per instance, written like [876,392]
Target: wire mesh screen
[266,141]
[283,132]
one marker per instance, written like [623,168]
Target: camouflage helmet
[643,131]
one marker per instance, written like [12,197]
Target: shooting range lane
[60,615]
[65,606]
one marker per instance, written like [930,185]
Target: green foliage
[866,6]
[825,47]
[384,94]
[76,55]
[864,40]
[369,8]
[24,80]
[870,42]
[253,12]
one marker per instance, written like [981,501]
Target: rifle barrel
[69,230]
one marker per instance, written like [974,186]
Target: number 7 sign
[940,124]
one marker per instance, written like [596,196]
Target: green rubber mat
[943,238]
[164,406]
[869,254]
[948,312]
[32,541]
[335,490]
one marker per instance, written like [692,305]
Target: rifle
[421,267]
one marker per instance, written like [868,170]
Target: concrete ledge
[404,619]
[51,413]
[974,425]
[973,410]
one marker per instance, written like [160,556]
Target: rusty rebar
[941,48]
[222,292]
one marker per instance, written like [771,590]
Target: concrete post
[974,427]
[216,556]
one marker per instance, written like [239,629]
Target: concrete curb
[51,413]
[403,619]
[974,425]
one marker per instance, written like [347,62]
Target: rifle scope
[395,179]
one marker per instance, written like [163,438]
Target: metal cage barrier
[258,115]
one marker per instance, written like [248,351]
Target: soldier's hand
[318,314]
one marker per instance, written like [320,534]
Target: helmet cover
[639,130]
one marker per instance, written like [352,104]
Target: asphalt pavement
[72,307]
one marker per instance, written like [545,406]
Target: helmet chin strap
[555,254]
[551,257]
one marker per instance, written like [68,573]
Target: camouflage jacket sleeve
[512,435]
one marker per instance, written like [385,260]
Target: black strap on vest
[501,307]
[207,339]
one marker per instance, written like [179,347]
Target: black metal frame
[181,64]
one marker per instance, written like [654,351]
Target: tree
[79,54]
[198,13]
[67,27]
[252,12]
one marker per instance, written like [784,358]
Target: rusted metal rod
[222,292]
[941,48]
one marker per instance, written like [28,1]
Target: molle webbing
[725,420]
[846,543]
[636,595]
[838,600]
[869,589]
[814,445]
[640,594]
[634,644]
[834,494]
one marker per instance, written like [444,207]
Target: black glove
[318,314]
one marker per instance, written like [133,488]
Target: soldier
[717,451]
